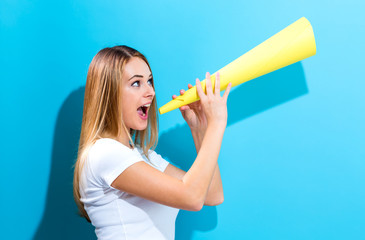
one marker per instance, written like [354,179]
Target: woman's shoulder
[106,147]
[109,143]
[107,158]
[154,158]
[150,152]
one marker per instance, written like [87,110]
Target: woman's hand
[213,105]
[193,115]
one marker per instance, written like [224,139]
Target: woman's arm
[187,193]
[191,190]
[215,194]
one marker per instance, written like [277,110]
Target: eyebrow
[139,76]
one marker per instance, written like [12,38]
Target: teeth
[147,105]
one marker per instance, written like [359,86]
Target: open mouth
[142,110]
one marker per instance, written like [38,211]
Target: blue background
[292,160]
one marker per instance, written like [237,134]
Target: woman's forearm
[215,194]
[200,175]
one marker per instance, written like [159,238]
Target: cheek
[128,106]
[127,109]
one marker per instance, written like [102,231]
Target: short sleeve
[108,158]
[158,160]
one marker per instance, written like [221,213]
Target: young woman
[123,187]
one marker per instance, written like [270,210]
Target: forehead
[136,66]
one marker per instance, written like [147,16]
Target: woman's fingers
[208,84]
[182,91]
[217,85]
[183,108]
[199,89]
[226,93]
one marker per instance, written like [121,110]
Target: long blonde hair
[102,115]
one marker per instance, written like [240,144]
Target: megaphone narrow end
[161,111]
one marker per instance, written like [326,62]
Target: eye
[135,84]
[150,81]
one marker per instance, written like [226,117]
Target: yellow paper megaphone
[292,44]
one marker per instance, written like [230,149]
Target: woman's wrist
[198,132]
[221,125]
[198,136]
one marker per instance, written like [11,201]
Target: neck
[124,141]
[122,138]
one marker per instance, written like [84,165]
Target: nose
[149,92]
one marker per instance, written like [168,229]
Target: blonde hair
[102,114]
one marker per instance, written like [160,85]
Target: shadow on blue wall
[60,220]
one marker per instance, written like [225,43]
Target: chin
[140,128]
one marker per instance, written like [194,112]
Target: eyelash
[150,80]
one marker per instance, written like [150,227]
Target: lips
[143,110]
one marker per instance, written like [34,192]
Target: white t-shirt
[117,214]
